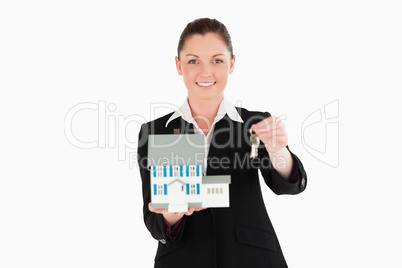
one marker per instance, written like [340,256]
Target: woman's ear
[232,64]
[178,66]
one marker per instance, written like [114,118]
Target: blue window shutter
[187,171]
[171,171]
[164,171]
[154,168]
[165,186]
[155,193]
[198,170]
[181,171]
[198,188]
[188,188]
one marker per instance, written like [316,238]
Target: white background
[64,206]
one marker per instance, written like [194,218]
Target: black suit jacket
[239,236]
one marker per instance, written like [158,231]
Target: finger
[274,122]
[272,126]
[274,132]
[262,129]
[274,140]
[175,213]
[269,121]
[199,209]
[268,124]
[156,210]
[262,124]
[190,211]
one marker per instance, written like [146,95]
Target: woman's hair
[203,26]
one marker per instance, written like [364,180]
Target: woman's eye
[217,61]
[192,62]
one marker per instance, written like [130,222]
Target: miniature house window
[160,189]
[192,171]
[160,171]
[192,189]
[176,171]
[215,190]
[219,190]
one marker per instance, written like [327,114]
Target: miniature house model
[176,167]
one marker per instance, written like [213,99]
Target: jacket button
[163,241]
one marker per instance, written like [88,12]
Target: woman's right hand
[173,217]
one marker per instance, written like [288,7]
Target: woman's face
[205,64]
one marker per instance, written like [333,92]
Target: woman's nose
[206,70]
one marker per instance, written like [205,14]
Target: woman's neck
[204,111]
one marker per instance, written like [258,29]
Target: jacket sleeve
[272,178]
[276,182]
[153,221]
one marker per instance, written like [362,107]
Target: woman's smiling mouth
[205,84]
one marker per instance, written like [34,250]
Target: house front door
[177,197]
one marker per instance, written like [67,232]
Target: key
[255,142]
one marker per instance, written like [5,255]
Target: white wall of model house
[215,194]
[177,186]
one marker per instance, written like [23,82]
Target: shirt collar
[224,108]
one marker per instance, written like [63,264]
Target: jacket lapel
[181,125]
[221,144]
[220,148]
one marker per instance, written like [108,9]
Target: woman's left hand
[272,132]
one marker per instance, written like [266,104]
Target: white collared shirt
[224,108]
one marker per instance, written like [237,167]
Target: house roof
[177,181]
[176,149]
[216,179]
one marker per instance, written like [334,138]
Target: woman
[241,235]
